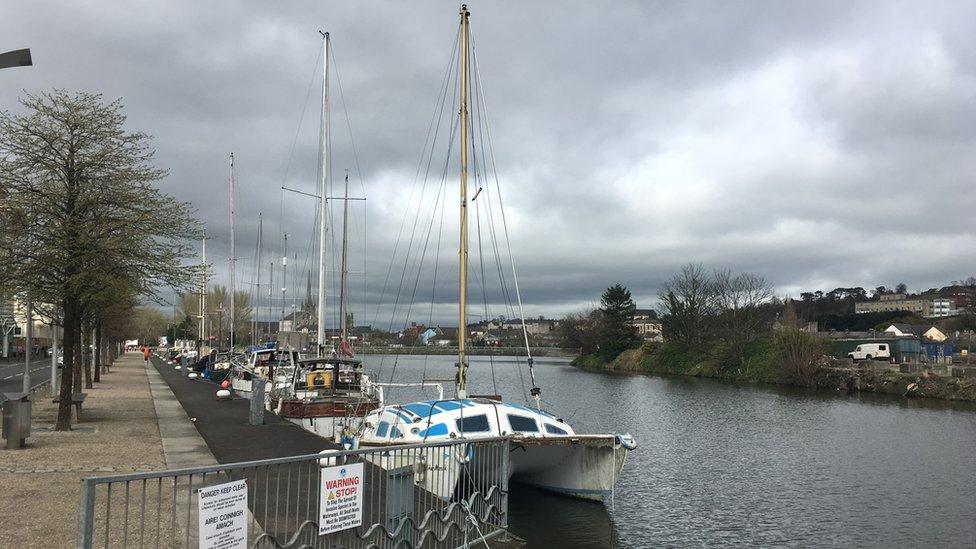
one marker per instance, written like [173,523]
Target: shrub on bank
[791,357]
[799,357]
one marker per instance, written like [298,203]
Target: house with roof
[444,337]
[930,333]
[646,323]
[426,335]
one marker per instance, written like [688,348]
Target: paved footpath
[119,432]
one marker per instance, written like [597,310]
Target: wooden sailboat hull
[324,418]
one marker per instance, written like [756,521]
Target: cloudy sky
[821,144]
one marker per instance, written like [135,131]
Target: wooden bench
[77,399]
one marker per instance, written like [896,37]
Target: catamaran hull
[585,467]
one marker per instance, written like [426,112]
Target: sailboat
[547,452]
[330,392]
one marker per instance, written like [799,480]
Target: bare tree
[688,300]
[739,301]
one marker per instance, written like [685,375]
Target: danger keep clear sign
[341,498]
[223,516]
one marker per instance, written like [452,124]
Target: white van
[868,351]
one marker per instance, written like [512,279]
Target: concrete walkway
[123,429]
[182,444]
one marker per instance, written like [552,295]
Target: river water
[729,465]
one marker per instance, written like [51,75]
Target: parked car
[869,351]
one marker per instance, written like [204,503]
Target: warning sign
[341,498]
[222,512]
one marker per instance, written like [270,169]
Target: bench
[77,399]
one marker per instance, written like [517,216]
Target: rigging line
[433,125]
[484,288]
[420,261]
[426,178]
[438,117]
[506,295]
[342,100]
[477,169]
[294,145]
[508,243]
[437,257]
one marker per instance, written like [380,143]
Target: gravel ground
[39,485]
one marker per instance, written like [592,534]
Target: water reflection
[743,465]
[544,519]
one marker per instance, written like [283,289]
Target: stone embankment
[947,383]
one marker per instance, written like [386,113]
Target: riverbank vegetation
[717,324]
[730,326]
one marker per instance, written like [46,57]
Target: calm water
[719,464]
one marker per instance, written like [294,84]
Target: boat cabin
[474,417]
[328,376]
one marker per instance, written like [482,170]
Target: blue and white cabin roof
[476,417]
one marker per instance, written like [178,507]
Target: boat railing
[379,388]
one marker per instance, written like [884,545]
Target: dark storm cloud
[794,139]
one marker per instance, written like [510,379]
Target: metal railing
[443,494]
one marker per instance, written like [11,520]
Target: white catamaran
[547,452]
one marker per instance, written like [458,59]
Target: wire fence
[444,494]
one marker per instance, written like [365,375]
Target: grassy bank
[780,360]
[759,363]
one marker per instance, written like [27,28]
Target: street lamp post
[22,58]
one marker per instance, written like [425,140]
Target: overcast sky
[820,144]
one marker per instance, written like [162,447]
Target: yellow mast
[463,251]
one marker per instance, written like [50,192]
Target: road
[11,376]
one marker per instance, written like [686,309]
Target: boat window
[473,424]
[523,424]
[553,430]
[382,429]
[395,433]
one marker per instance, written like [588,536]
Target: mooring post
[257,401]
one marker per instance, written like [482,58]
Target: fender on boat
[627,441]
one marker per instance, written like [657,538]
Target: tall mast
[324,154]
[463,247]
[284,281]
[271,295]
[203,291]
[255,331]
[344,275]
[233,256]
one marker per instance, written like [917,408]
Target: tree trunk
[98,352]
[87,357]
[67,370]
[79,357]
